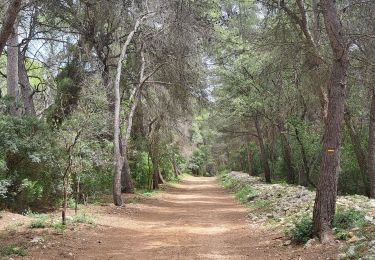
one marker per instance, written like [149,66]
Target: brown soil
[195,219]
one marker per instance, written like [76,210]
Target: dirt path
[197,219]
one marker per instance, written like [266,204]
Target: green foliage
[13,250]
[68,83]
[196,162]
[28,175]
[40,221]
[348,218]
[344,220]
[302,230]
[82,218]
[141,170]
[245,194]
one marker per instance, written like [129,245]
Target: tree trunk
[161,178]
[359,152]
[250,160]
[118,156]
[175,166]
[156,173]
[263,153]
[325,201]
[303,178]
[12,72]
[26,92]
[126,179]
[9,22]
[290,176]
[371,148]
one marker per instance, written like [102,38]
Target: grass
[40,221]
[245,194]
[13,250]
[82,218]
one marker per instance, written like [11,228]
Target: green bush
[245,194]
[302,230]
[348,218]
[28,175]
[344,220]
[82,218]
[39,221]
[13,250]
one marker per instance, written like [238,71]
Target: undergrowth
[345,220]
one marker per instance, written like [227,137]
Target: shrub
[39,221]
[348,218]
[82,218]
[245,194]
[13,250]
[302,230]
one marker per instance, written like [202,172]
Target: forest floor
[194,219]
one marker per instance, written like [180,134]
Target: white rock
[371,243]
[309,243]
[351,251]
[37,240]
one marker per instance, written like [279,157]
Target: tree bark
[9,22]
[126,179]
[359,151]
[303,178]
[287,152]
[250,160]
[12,72]
[325,201]
[371,148]
[26,91]
[175,166]
[118,156]
[263,153]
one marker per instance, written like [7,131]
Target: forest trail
[195,219]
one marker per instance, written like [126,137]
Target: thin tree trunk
[26,92]
[325,201]
[371,147]
[250,160]
[156,173]
[9,22]
[12,72]
[303,178]
[359,152]
[118,156]
[263,153]
[290,176]
[126,179]
[175,166]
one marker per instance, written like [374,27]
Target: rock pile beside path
[283,203]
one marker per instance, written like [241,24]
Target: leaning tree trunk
[263,153]
[325,201]
[359,152]
[12,71]
[371,148]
